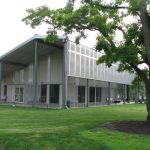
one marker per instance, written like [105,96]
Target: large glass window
[81,94]
[98,94]
[92,94]
[54,93]
[5,90]
[43,93]
[16,94]
[19,94]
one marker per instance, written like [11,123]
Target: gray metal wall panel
[49,72]
[82,63]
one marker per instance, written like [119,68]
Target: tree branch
[145,59]
[120,28]
[142,62]
[109,6]
[140,73]
[113,7]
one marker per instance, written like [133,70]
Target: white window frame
[18,94]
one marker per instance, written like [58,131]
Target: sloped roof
[23,54]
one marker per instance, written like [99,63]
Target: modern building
[53,75]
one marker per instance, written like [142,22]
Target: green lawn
[73,129]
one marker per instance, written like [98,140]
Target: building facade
[53,75]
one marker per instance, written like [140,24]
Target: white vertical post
[80,61]
[93,68]
[87,93]
[76,92]
[60,96]
[75,70]
[85,65]
[109,93]
[65,76]
[124,91]
[48,94]
[69,56]
[48,79]
[89,65]
[35,74]
[48,69]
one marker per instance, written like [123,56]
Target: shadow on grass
[133,127]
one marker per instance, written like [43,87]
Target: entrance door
[81,94]
[5,93]
[92,94]
[98,94]
[54,93]
[5,90]
[43,93]
[19,94]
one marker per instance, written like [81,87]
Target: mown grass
[73,129]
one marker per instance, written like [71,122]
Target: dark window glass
[5,90]
[81,94]
[43,93]
[16,94]
[92,94]
[98,94]
[21,94]
[54,93]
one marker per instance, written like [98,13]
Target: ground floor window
[4,97]
[5,90]
[54,93]
[19,94]
[98,94]
[43,93]
[92,94]
[81,94]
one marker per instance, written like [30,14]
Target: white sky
[13,31]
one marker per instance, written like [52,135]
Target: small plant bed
[134,127]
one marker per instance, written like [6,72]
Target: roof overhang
[23,55]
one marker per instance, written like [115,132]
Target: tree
[132,51]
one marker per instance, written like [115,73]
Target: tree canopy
[107,18]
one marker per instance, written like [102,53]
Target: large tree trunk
[148,102]
[148,111]
[145,20]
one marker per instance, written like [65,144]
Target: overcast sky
[13,31]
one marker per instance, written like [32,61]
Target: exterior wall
[73,84]
[82,64]
[11,91]
[56,67]
[49,72]
[72,91]
[104,94]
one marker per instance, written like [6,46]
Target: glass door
[43,93]
[54,93]
[81,94]
[19,94]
